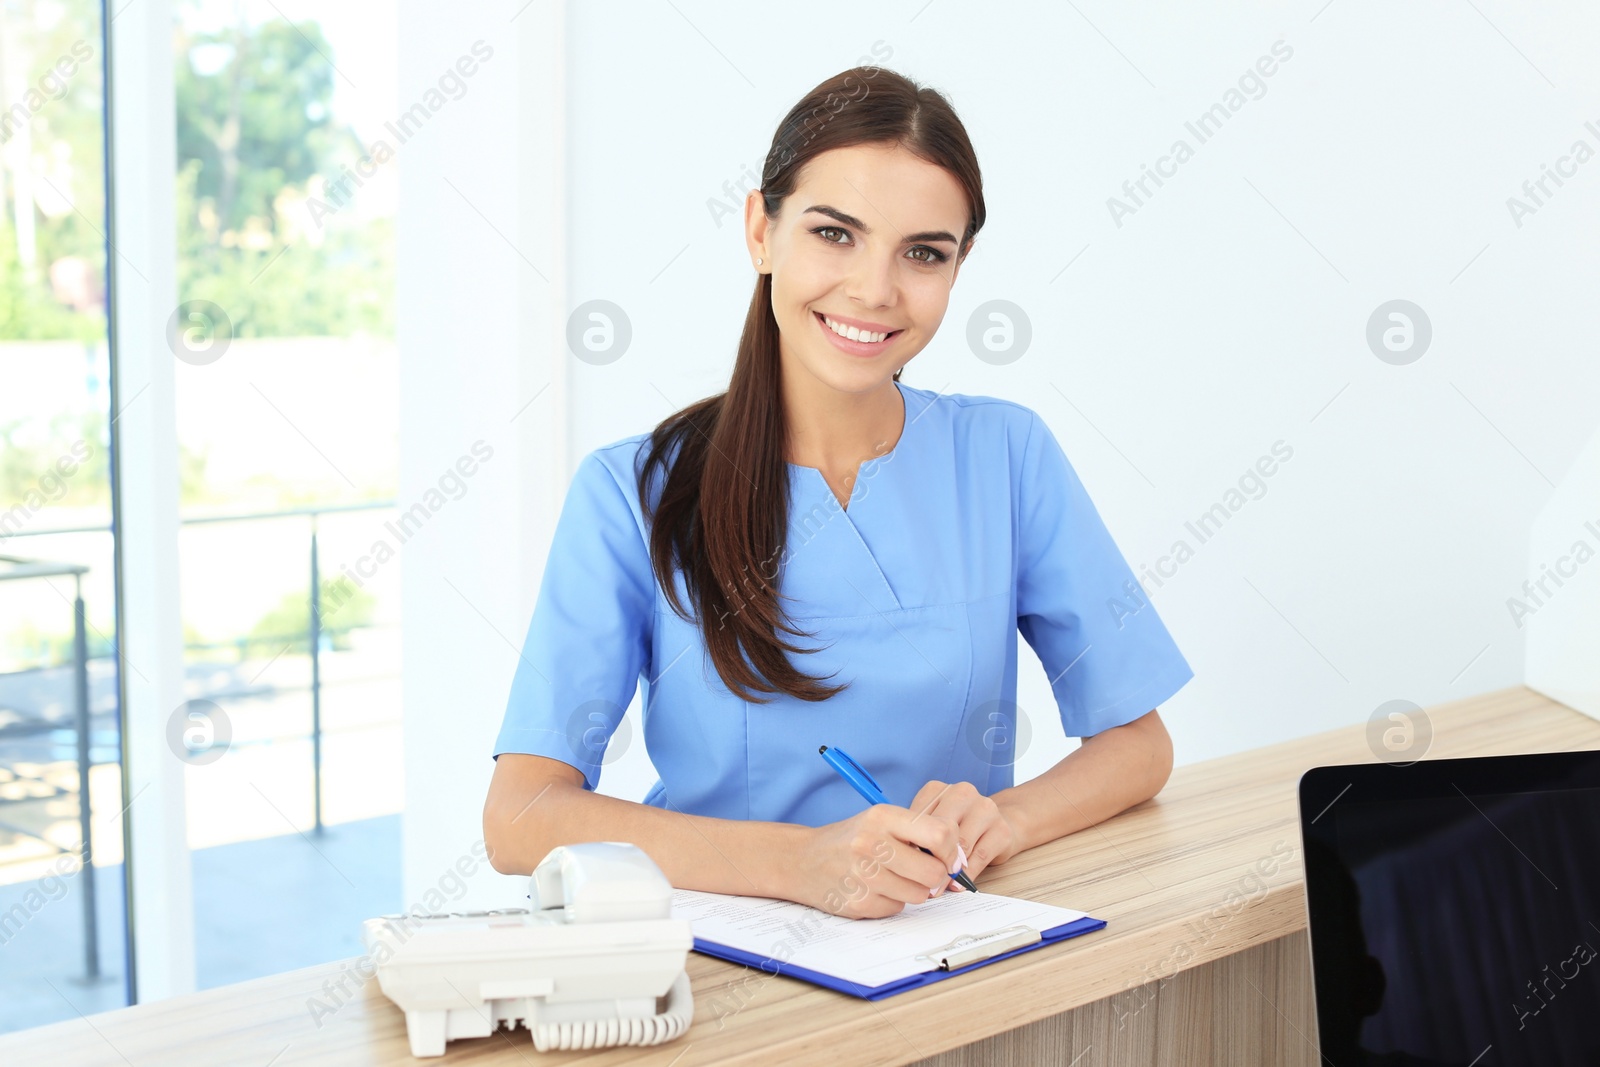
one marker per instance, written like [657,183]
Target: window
[287,417]
[62,914]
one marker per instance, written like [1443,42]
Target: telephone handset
[585,967]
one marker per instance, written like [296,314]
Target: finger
[978,856]
[908,861]
[993,842]
[896,886]
[980,820]
[927,797]
[974,864]
[952,800]
[935,832]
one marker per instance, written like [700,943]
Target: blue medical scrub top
[972,528]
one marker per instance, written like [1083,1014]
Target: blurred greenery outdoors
[254,132]
[256,136]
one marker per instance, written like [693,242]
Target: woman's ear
[755,230]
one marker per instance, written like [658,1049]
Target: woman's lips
[855,348]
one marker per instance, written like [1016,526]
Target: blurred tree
[254,108]
[255,129]
[28,311]
[343,286]
[24,464]
[51,185]
[289,622]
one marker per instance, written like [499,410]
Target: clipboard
[946,961]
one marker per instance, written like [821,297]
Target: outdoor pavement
[263,906]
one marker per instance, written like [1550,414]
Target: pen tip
[822,749]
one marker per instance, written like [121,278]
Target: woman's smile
[864,343]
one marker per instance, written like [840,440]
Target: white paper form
[868,952]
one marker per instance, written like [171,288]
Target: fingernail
[933,893]
[961,860]
[941,888]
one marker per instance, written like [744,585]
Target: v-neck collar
[851,581]
[899,445]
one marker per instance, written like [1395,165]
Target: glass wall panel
[288,438]
[62,913]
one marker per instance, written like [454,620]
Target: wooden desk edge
[1035,985]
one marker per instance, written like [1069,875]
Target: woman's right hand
[868,866]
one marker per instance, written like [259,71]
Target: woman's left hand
[986,835]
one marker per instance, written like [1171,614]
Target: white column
[479,327]
[143,294]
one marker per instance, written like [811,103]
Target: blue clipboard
[1051,936]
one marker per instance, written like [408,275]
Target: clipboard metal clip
[970,948]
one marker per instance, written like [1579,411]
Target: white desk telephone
[585,967]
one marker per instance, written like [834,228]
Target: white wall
[1227,313]
[1559,606]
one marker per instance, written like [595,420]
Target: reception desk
[1203,961]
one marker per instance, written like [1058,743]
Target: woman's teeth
[852,333]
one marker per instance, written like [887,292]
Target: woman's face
[868,239]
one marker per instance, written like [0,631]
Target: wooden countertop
[1179,879]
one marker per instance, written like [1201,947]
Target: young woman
[824,555]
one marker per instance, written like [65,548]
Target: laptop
[1454,911]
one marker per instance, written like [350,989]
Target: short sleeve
[1106,652]
[590,635]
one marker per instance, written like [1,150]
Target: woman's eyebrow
[851,220]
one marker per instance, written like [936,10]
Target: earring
[758,261]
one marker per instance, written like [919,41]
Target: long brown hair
[724,506]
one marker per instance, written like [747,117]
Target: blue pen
[867,786]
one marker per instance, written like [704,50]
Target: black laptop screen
[1455,911]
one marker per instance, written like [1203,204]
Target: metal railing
[17,568]
[314,623]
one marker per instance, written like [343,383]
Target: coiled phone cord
[604,1033]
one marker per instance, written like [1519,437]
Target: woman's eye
[933,256]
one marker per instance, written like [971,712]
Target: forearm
[1109,773]
[693,851]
